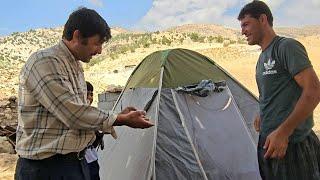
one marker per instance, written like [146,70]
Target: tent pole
[188,135]
[152,172]
[242,119]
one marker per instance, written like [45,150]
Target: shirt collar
[66,50]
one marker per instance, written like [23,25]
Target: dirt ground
[7,166]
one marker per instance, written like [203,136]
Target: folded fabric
[203,88]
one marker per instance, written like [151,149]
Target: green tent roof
[181,67]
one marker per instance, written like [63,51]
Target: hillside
[127,48]
[299,31]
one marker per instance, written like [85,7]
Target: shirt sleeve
[52,88]
[294,56]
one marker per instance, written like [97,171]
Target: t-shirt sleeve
[294,56]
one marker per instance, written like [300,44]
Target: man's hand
[134,119]
[276,144]
[127,110]
[256,123]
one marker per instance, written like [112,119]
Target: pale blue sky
[23,15]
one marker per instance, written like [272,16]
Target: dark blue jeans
[94,170]
[53,168]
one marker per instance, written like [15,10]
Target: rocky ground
[8,158]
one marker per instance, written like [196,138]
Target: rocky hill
[207,30]
[299,31]
[124,49]
[127,48]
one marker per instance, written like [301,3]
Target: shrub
[194,37]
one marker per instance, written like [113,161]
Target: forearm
[304,107]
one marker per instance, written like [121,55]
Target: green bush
[165,41]
[194,37]
[219,39]
[181,40]
[95,61]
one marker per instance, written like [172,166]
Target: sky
[149,15]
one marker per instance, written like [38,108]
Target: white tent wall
[247,104]
[129,156]
[221,138]
[175,159]
[220,135]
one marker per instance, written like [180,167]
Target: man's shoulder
[288,43]
[48,54]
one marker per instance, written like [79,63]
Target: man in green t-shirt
[289,91]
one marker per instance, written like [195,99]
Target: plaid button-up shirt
[54,117]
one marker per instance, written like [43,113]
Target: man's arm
[307,102]
[53,90]
[277,142]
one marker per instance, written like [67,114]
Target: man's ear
[263,19]
[76,36]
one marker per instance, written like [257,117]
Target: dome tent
[193,137]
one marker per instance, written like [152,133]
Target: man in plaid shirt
[55,123]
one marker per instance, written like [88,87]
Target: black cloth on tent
[203,88]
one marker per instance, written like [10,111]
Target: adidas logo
[269,65]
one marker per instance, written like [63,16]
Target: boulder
[5,146]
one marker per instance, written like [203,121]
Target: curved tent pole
[188,135]
[242,119]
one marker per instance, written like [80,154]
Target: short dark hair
[89,86]
[255,9]
[88,22]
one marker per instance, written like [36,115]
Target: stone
[4,104]
[8,116]
[5,146]
[12,98]
[7,111]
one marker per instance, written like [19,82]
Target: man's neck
[70,47]
[267,38]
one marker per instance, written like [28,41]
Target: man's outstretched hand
[128,109]
[133,118]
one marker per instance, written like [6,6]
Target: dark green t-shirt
[278,91]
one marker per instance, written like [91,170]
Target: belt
[69,156]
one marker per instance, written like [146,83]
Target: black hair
[89,86]
[255,9]
[88,22]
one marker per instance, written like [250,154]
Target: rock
[4,104]
[7,111]
[12,98]
[8,116]
[5,146]
[113,88]
[226,43]
[7,165]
